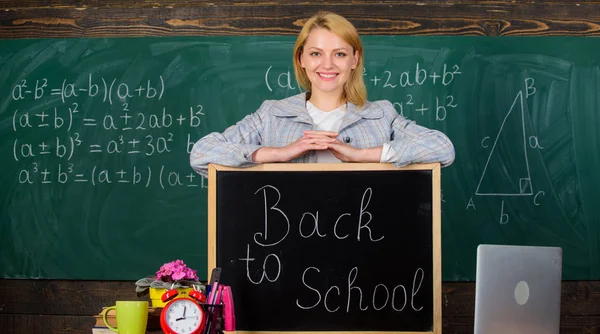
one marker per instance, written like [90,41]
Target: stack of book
[100,327]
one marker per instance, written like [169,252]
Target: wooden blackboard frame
[214,169]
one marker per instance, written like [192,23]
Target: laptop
[517,289]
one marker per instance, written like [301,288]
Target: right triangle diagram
[506,171]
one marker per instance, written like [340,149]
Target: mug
[132,317]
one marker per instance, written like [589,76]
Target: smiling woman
[328,62]
[332,121]
[327,57]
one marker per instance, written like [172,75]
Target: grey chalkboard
[96,132]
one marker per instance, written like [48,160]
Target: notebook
[517,289]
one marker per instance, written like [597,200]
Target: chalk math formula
[60,137]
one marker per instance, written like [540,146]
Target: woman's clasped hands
[314,140]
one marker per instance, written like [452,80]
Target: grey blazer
[278,123]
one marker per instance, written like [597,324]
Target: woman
[332,121]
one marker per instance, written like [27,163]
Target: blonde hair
[354,89]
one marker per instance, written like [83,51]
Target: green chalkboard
[95,135]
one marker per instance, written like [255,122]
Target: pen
[210,309]
[215,276]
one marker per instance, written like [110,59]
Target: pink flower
[178,275]
[175,271]
[191,274]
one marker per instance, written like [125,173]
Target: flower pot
[156,294]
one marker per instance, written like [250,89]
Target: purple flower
[175,271]
[178,275]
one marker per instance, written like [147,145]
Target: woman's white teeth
[327,75]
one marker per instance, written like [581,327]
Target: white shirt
[331,121]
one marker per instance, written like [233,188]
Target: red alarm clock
[184,314]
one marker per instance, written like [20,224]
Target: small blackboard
[328,247]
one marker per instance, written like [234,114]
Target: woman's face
[328,61]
